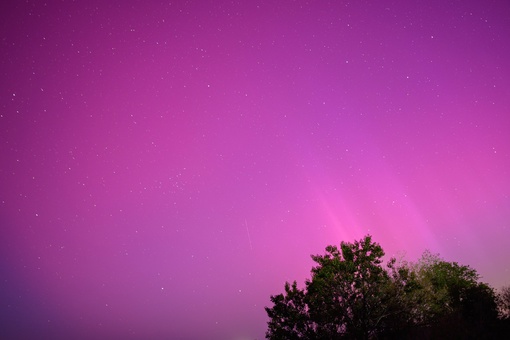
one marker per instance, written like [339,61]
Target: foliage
[504,303]
[351,295]
[289,316]
[342,298]
[344,293]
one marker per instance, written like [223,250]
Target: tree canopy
[351,294]
[504,302]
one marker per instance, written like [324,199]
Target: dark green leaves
[350,294]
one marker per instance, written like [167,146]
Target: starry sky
[167,166]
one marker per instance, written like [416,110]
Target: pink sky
[166,167]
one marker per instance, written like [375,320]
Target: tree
[351,295]
[289,317]
[345,296]
[452,301]
[504,311]
[504,303]
[406,300]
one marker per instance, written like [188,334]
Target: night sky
[167,166]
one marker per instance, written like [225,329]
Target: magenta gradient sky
[166,167]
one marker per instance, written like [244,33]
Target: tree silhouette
[345,296]
[504,302]
[453,302]
[351,295]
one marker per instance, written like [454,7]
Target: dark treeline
[352,295]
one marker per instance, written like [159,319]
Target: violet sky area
[165,166]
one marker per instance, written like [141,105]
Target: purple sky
[166,167]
